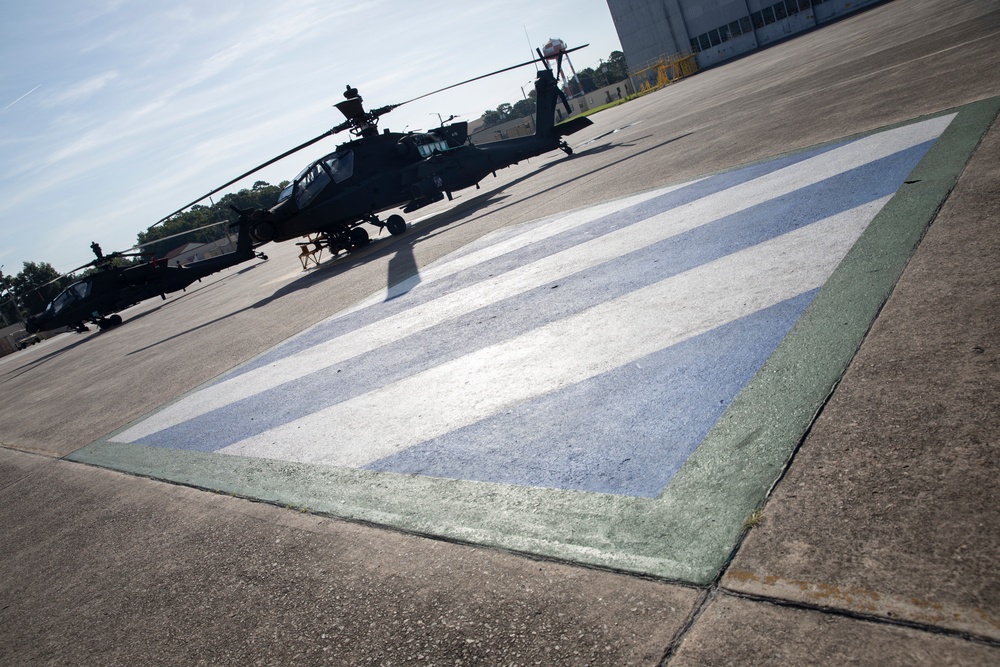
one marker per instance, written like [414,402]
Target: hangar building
[715,30]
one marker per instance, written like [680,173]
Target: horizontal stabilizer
[571,126]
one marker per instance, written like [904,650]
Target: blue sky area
[115,113]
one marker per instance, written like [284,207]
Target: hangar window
[792,7]
[779,10]
[714,36]
[768,14]
[745,25]
[724,33]
[734,29]
[804,5]
[695,47]
[758,20]
[705,43]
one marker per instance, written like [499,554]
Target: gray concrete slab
[102,568]
[735,631]
[890,506]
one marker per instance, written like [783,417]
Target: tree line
[37,283]
[610,71]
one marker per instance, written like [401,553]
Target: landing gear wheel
[396,225]
[115,320]
[103,324]
[566,148]
[359,237]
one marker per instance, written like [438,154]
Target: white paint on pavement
[496,378]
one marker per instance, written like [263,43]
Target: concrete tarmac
[878,545]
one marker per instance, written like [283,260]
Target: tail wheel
[396,225]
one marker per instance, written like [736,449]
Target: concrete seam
[707,597]
[859,616]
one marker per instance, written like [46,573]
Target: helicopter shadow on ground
[36,363]
[403,272]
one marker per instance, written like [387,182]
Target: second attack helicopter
[331,197]
[98,297]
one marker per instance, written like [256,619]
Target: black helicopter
[334,195]
[98,297]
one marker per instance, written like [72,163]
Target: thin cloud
[81,91]
[22,97]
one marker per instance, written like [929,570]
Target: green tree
[37,284]
[491,117]
[524,107]
[199,224]
[9,312]
[617,67]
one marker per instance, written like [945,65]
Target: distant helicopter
[97,298]
[334,195]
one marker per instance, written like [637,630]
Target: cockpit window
[309,183]
[312,179]
[73,293]
[340,165]
[428,144]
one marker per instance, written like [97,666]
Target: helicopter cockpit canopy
[336,167]
[75,292]
[428,144]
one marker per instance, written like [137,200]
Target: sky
[115,113]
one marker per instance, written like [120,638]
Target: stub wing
[572,125]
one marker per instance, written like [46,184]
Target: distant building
[194,252]
[715,30]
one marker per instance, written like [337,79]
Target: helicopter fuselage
[322,199]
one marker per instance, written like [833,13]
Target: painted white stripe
[491,380]
[554,267]
[539,232]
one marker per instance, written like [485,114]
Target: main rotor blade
[342,127]
[483,76]
[252,171]
[187,231]
[35,288]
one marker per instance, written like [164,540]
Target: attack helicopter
[98,297]
[332,197]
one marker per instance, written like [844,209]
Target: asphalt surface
[878,544]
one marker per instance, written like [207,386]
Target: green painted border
[689,531]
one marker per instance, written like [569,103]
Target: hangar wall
[715,30]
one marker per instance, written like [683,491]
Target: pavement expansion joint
[618,386]
[877,619]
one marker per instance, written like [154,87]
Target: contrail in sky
[22,97]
